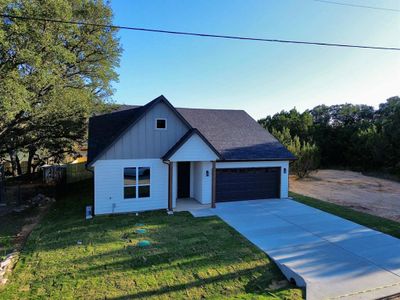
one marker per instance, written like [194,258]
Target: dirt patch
[8,263]
[372,195]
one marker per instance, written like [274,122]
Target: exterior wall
[192,179]
[144,141]
[109,186]
[194,149]
[202,183]
[259,164]
[174,183]
[197,180]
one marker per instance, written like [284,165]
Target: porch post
[213,185]
[170,171]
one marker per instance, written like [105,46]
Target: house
[147,157]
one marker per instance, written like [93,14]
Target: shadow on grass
[188,285]
[207,254]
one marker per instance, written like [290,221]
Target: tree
[388,122]
[307,157]
[307,153]
[346,135]
[334,129]
[53,75]
[298,123]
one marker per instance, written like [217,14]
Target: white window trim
[155,124]
[135,185]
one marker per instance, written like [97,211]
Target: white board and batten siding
[284,165]
[109,186]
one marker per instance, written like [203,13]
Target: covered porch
[189,204]
[191,173]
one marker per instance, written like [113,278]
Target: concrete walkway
[332,257]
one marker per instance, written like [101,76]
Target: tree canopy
[347,135]
[53,75]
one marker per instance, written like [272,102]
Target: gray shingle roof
[233,133]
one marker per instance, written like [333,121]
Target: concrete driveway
[332,257]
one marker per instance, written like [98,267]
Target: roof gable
[105,130]
[193,146]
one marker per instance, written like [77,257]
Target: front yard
[69,257]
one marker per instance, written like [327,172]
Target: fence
[77,172]
[2,185]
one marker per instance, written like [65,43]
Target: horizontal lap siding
[109,186]
[284,188]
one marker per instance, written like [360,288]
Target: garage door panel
[247,184]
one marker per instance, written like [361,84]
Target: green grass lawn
[374,222]
[189,258]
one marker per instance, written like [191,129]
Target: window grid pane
[136,182]
[130,176]
[144,191]
[130,192]
[144,176]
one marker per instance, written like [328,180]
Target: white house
[147,157]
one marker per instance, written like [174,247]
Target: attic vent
[161,124]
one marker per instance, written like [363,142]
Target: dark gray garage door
[247,184]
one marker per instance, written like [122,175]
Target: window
[136,182]
[129,183]
[161,124]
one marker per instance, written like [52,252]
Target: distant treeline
[350,136]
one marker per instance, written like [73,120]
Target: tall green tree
[298,123]
[346,135]
[53,75]
[388,122]
[307,153]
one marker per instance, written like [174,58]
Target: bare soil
[371,195]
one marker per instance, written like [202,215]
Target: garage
[247,184]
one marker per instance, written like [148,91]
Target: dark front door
[247,184]
[183,179]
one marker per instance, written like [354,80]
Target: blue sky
[261,78]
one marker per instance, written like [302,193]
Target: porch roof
[193,146]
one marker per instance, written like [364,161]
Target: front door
[183,179]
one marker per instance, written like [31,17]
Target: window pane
[144,175]
[129,176]
[144,191]
[130,192]
[161,124]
